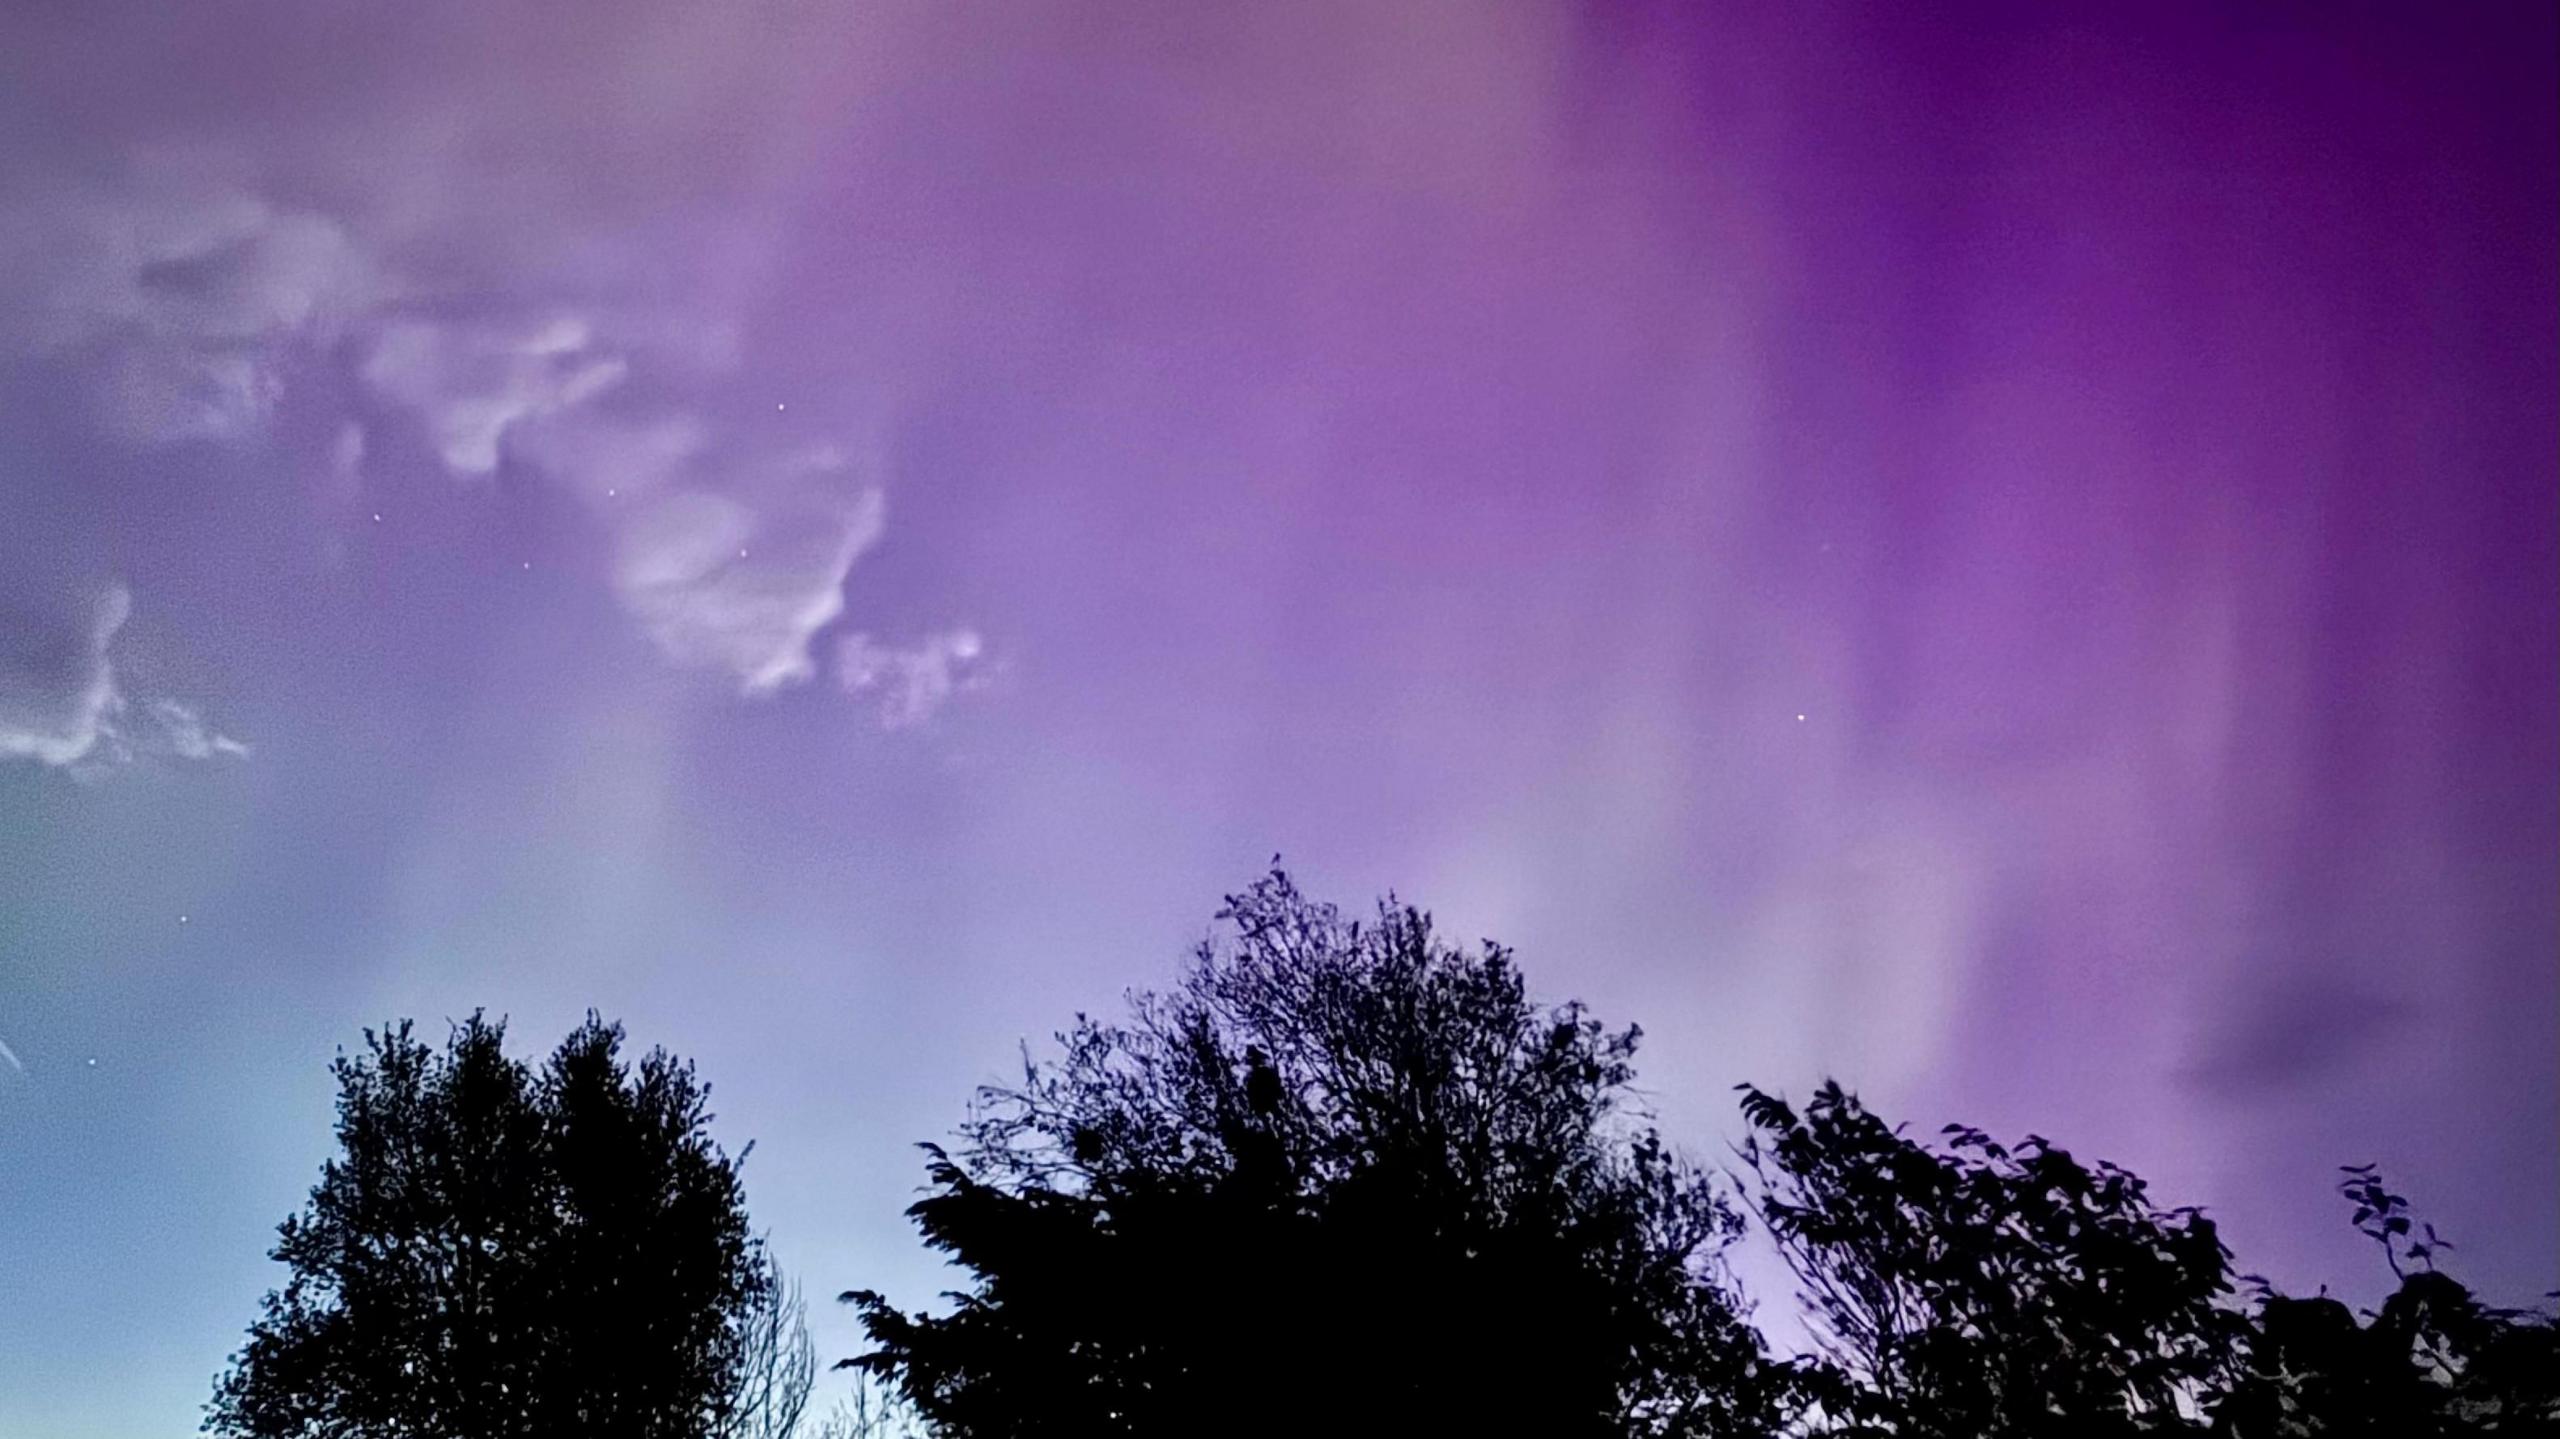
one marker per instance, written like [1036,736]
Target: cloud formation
[727,557]
[910,682]
[61,705]
[189,309]
[179,299]
[468,384]
[183,731]
[720,582]
[546,283]
[57,689]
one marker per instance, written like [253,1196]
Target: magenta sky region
[2010,558]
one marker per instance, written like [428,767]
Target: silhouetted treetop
[1342,1174]
[2432,1361]
[1980,1290]
[1332,1047]
[1343,1177]
[499,1252]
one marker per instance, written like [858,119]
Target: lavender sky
[2008,558]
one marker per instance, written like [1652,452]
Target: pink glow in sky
[2009,558]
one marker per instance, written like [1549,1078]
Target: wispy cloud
[911,682]
[468,384]
[183,731]
[62,705]
[197,311]
[724,582]
[57,687]
[179,299]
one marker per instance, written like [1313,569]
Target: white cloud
[556,315]
[57,690]
[183,731]
[61,704]
[726,560]
[181,299]
[469,383]
[162,259]
[718,582]
[910,682]
[263,273]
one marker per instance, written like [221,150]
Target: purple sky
[2013,561]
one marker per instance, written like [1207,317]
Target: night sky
[2005,554]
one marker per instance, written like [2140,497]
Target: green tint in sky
[2009,559]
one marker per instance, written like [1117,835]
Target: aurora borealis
[2014,559]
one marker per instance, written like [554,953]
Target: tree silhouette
[777,1363]
[871,1411]
[1343,1178]
[2433,1361]
[1980,1292]
[500,1252]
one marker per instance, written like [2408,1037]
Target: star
[182,919]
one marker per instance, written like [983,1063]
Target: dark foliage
[500,1252]
[1982,1292]
[1979,1291]
[1345,1178]
[2433,1361]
